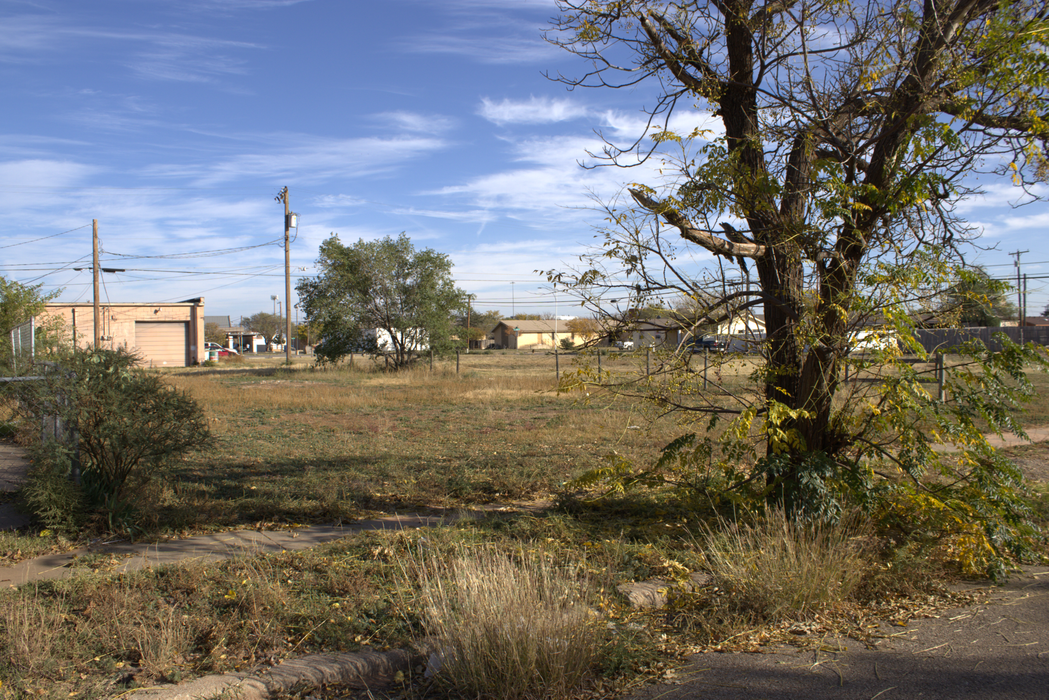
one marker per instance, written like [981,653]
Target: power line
[194,254]
[44,238]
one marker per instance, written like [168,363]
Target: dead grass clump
[784,569]
[775,570]
[33,635]
[504,628]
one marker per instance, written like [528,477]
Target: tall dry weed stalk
[34,634]
[514,629]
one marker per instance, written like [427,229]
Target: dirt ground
[1033,460]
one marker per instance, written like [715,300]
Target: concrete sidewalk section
[13,466]
[226,545]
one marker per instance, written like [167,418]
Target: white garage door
[162,344]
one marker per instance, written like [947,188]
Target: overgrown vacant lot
[300,445]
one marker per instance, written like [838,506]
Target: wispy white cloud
[169,56]
[480,216]
[337,201]
[310,159]
[495,33]
[534,110]
[413,122]
[1001,194]
[1038,220]
[495,51]
[44,174]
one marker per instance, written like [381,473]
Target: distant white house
[414,339]
[873,339]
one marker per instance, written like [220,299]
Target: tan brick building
[163,335]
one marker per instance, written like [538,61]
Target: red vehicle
[219,350]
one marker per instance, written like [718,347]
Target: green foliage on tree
[19,303]
[386,285]
[475,325]
[976,299]
[125,424]
[270,326]
[214,334]
[833,142]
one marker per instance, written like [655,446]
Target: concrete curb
[363,669]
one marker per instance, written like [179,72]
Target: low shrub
[49,493]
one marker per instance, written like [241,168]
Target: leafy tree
[214,334]
[475,325]
[976,299]
[270,326]
[305,334]
[383,285]
[19,303]
[832,144]
[587,329]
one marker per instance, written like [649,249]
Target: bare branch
[715,244]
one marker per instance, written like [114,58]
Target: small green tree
[383,297]
[19,303]
[129,423]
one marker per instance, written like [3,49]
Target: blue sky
[176,122]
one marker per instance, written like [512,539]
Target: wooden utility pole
[94,275]
[469,313]
[283,197]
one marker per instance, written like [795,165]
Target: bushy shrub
[128,422]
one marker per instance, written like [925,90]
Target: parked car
[625,344]
[708,343]
[220,350]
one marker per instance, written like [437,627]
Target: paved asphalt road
[998,650]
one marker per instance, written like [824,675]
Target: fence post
[940,376]
[557,364]
[599,360]
[457,362]
[706,352]
[846,370]
[648,362]
[431,359]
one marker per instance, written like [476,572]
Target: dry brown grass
[774,570]
[307,445]
[515,628]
